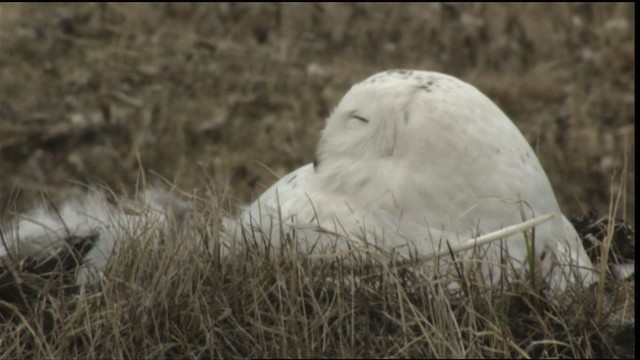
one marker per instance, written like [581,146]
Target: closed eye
[361,119]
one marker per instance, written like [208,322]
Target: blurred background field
[214,94]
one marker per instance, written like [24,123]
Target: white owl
[409,159]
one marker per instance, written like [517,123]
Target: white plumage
[43,232]
[417,157]
[406,161]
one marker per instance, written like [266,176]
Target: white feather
[44,231]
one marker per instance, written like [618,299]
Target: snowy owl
[409,159]
[409,163]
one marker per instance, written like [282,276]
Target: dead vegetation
[203,94]
[181,300]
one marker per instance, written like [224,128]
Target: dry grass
[202,94]
[179,299]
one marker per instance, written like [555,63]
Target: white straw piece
[490,237]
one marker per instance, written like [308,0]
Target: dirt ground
[214,94]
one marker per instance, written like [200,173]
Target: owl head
[403,115]
[428,138]
[410,117]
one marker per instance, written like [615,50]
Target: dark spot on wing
[316,163]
